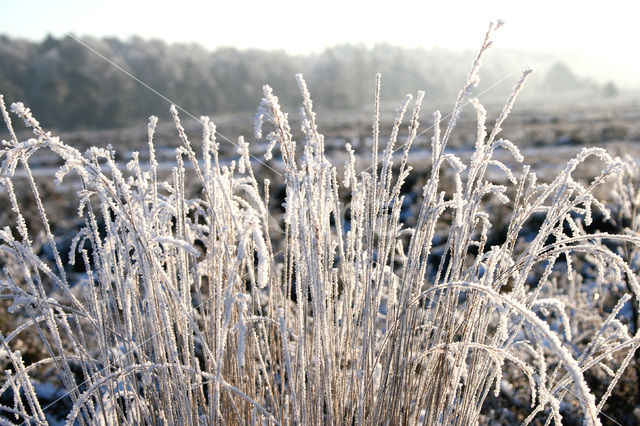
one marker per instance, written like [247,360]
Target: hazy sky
[605,31]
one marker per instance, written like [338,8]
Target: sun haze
[607,30]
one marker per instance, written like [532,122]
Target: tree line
[69,87]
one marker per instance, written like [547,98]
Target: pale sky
[607,32]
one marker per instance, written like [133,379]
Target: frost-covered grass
[203,310]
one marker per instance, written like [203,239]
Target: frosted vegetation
[204,310]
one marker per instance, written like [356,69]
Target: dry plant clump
[201,311]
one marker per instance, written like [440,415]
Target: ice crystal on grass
[199,309]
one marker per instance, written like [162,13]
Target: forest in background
[69,87]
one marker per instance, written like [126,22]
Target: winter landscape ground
[476,266]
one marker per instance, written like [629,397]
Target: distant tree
[610,89]
[69,87]
[560,77]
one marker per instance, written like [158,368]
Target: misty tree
[68,86]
